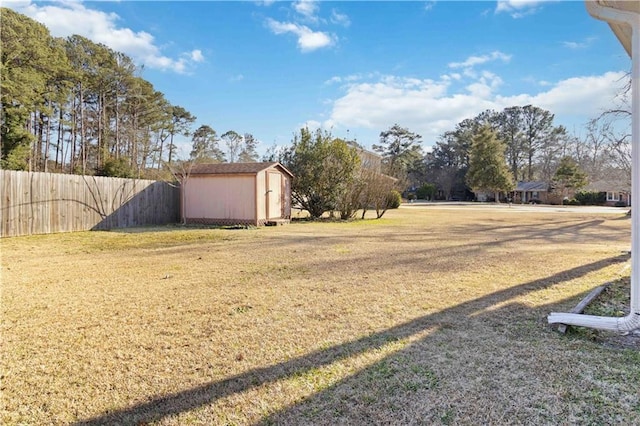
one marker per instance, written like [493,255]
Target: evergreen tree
[249,153]
[205,145]
[323,169]
[233,142]
[488,170]
[75,105]
[400,150]
[181,121]
[29,60]
[568,176]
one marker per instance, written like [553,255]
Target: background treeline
[534,148]
[74,106]
[528,143]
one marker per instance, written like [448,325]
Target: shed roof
[622,31]
[236,168]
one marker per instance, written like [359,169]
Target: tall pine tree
[488,170]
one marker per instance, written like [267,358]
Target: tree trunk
[83,139]
[47,145]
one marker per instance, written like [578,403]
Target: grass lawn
[428,316]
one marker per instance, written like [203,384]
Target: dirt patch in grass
[427,316]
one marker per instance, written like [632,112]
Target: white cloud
[585,95]
[431,107]
[519,8]
[196,55]
[340,18]
[573,45]
[453,76]
[312,125]
[307,14]
[308,40]
[64,19]
[307,8]
[428,5]
[579,44]
[350,78]
[472,61]
[485,85]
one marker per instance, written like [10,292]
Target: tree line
[490,152]
[74,106]
[496,149]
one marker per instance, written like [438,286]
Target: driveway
[538,208]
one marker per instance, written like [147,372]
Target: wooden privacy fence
[43,203]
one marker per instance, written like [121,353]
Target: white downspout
[631,321]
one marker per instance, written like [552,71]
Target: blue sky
[356,67]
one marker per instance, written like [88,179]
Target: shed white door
[274,198]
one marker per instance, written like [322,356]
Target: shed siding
[221,197]
[261,190]
[275,195]
[286,208]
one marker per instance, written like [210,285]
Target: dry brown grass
[427,316]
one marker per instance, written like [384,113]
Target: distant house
[525,192]
[237,194]
[481,196]
[616,193]
[369,159]
[531,192]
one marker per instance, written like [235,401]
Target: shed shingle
[234,168]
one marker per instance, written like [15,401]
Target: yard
[429,315]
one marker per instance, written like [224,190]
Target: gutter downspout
[632,321]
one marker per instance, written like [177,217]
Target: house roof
[608,186]
[622,30]
[236,168]
[532,186]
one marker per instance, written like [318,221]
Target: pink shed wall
[261,190]
[275,195]
[221,197]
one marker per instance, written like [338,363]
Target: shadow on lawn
[173,404]
[430,249]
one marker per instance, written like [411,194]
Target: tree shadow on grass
[516,373]
[160,407]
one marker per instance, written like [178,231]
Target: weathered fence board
[43,203]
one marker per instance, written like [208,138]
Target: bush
[571,202]
[394,199]
[116,167]
[426,191]
[620,204]
[591,198]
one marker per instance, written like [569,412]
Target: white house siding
[221,199]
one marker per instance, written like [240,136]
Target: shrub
[426,191]
[620,204]
[572,202]
[116,167]
[394,199]
[591,198]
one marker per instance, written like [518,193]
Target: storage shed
[238,194]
